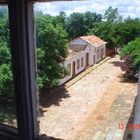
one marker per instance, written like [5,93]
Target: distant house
[83,52]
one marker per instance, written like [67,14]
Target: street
[92,108]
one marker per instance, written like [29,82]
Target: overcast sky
[125,7]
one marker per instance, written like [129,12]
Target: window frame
[22,41]
[69,68]
[78,64]
[82,61]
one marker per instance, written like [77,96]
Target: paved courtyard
[92,108]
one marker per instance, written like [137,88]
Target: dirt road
[92,108]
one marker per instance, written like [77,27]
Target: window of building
[82,62]
[69,69]
[78,64]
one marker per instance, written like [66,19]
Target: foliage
[61,18]
[131,55]
[75,25]
[124,32]
[132,49]
[51,52]
[103,30]
[128,66]
[52,34]
[112,15]
[90,19]
[79,24]
[6,79]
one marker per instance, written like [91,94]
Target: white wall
[91,55]
[70,61]
[90,50]
[98,53]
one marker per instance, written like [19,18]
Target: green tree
[51,39]
[90,19]
[61,18]
[112,15]
[103,30]
[132,49]
[6,79]
[75,25]
[131,55]
[126,31]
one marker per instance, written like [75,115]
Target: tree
[75,25]
[79,24]
[128,66]
[126,31]
[103,30]
[61,18]
[6,79]
[90,19]
[112,15]
[131,55]
[51,40]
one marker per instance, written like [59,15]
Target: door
[102,53]
[94,59]
[73,69]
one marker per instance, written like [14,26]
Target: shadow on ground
[122,76]
[51,97]
[127,80]
[45,137]
[7,111]
[117,63]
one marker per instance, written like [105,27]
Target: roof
[72,53]
[77,48]
[93,40]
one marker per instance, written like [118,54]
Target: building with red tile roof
[83,52]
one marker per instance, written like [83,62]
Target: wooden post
[23,61]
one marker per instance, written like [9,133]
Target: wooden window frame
[21,22]
[22,41]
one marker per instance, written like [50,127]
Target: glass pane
[87,82]
[7,101]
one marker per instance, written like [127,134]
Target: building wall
[89,47]
[70,61]
[91,55]
[99,54]
[95,55]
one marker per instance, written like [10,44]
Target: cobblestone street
[92,108]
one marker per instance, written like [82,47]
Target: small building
[83,52]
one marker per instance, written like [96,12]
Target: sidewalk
[84,73]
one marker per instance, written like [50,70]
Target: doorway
[94,59]
[102,53]
[73,69]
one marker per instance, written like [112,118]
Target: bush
[130,53]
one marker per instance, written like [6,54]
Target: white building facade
[84,51]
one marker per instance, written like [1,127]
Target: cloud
[125,7]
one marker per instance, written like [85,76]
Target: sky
[125,7]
